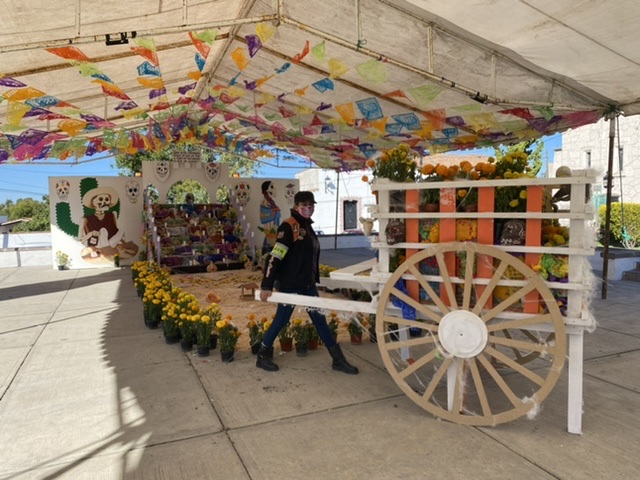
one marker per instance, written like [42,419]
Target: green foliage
[533,148]
[129,165]
[37,211]
[631,224]
[179,190]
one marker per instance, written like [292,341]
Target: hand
[264,295]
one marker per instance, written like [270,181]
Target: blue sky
[31,180]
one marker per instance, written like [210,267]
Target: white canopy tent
[334,81]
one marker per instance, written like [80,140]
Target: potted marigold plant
[300,334]
[256,332]
[314,338]
[285,338]
[204,328]
[356,326]
[333,324]
[227,338]
[62,260]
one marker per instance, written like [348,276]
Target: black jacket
[293,263]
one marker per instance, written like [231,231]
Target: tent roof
[333,81]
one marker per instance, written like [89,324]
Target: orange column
[486,202]
[533,239]
[412,227]
[448,234]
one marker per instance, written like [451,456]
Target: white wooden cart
[453,345]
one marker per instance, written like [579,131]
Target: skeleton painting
[99,231]
[269,216]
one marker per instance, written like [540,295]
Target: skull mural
[132,189]
[212,171]
[162,170]
[243,193]
[289,192]
[62,189]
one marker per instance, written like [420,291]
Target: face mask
[306,211]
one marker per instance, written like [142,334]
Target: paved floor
[87,392]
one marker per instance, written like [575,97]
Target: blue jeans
[283,315]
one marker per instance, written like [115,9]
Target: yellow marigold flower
[252,316]
[462,193]
[205,319]
[220,324]
[523,194]
[514,203]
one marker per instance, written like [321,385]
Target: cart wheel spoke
[516,366]
[488,290]
[482,394]
[468,279]
[499,380]
[446,279]
[429,290]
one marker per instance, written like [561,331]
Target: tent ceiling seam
[445,82]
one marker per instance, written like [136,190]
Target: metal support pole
[335,230]
[607,215]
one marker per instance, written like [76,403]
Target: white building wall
[331,189]
[593,141]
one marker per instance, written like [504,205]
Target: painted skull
[162,170]
[243,193]
[212,171]
[62,189]
[101,202]
[132,189]
[289,192]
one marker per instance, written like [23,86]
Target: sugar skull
[162,170]
[243,193]
[212,171]
[289,192]
[132,189]
[62,189]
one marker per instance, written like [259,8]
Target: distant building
[342,199]
[588,147]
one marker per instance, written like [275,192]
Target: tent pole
[335,228]
[607,215]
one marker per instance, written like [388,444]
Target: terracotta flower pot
[356,339]
[286,345]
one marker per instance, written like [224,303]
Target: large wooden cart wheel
[461,358]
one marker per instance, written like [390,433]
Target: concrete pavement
[88,392]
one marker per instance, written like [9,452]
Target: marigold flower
[428,169]
[371,163]
[514,203]
[365,179]
[523,194]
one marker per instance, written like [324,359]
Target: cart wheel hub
[462,334]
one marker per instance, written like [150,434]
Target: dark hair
[265,185]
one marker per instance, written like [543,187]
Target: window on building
[350,214]
[587,156]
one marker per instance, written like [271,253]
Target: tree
[37,211]
[533,148]
[132,164]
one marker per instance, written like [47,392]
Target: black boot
[265,359]
[339,362]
